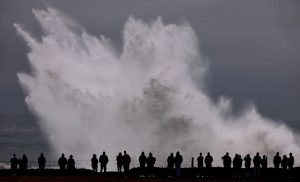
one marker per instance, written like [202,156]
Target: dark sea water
[21,136]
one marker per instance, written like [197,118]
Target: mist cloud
[88,97]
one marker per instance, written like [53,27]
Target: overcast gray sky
[253,45]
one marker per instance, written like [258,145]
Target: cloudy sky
[253,46]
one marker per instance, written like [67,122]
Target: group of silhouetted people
[122,161]
[258,162]
[65,163]
[175,161]
[103,160]
[20,163]
[147,163]
[285,162]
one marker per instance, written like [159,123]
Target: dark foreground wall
[121,179]
[158,174]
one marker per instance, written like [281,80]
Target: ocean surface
[21,136]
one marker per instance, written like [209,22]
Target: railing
[112,164]
[86,164]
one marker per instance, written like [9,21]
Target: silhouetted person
[247,160]
[62,162]
[257,163]
[142,160]
[71,163]
[200,164]
[200,161]
[119,159]
[150,164]
[240,164]
[226,160]
[103,162]
[126,162]
[291,161]
[208,160]
[42,161]
[171,161]
[284,162]
[94,161]
[23,163]
[178,160]
[237,165]
[235,161]
[277,160]
[264,162]
[14,162]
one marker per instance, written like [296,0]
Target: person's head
[200,154]
[71,156]
[42,154]
[257,154]
[94,155]
[63,155]
[236,155]
[103,152]
[227,153]
[24,156]
[150,154]
[248,155]
[124,151]
[143,153]
[284,156]
[177,153]
[172,154]
[14,155]
[208,153]
[291,154]
[277,153]
[120,153]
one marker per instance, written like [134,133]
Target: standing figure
[284,162]
[264,162]
[42,161]
[94,161]
[71,163]
[226,161]
[237,165]
[62,162]
[103,162]
[171,162]
[142,160]
[200,164]
[257,163]
[200,161]
[178,160]
[247,160]
[126,162]
[291,161]
[14,162]
[277,160]
[119,159]
[150,164]
[208,160]
[23,163]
